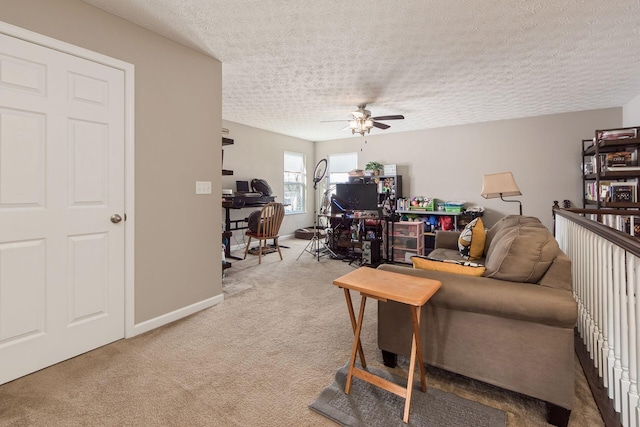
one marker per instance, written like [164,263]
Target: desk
[229,204]
[387,286]
[228,227]
[248,202]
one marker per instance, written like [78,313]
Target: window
[340,165]
[295,178]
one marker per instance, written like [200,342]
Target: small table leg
[415,313]
[356,345]
[354,325]
[416,353]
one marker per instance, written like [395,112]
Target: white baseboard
[242,245]
[148,325]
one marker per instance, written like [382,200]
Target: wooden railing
[606,279]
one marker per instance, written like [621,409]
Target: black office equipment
[242,186]
[358,197]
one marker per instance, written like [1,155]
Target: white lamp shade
[499,184]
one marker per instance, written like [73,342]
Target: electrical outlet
[203,187]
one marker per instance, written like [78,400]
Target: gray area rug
[369,406]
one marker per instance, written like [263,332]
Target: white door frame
[129,141]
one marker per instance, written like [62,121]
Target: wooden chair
[271,216]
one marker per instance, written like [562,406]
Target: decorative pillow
[521,254]
[508,222]
[457,267]
[471,240]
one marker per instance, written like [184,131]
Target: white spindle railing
[606,275]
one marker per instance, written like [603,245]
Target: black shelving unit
[595,168]
[226,141]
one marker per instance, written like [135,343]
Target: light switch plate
[203,187]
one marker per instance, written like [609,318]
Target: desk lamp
[498,185]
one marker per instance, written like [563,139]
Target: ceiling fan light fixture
[362,121]
[360,126]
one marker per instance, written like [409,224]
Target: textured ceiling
[288,64]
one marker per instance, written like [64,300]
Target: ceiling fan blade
[346,127]
[381,125]
[396,117]
[329,121]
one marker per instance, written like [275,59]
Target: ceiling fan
[362,122]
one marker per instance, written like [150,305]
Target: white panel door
[61,180]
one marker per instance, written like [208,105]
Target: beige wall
[177,139]
[258,153]
[448,163]
[631,113]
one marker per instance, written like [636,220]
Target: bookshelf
[611,173]
[611,169]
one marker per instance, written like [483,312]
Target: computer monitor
[358,197]
[242,186]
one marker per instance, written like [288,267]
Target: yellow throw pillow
[448,266]
[471,240]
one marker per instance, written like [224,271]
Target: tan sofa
[513,329]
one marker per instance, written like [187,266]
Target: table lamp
[499,185]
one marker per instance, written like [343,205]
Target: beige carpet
[258,359]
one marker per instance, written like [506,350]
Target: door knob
[115,218]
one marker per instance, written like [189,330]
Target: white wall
[448,163]
[258,153]
[631,113]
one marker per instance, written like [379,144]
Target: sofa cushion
[444,253]
[446,239]
[506,222]
[471,240]
[521,253]
[558,275]
[449,267]
[521,301]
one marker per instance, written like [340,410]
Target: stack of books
[617,134]
[617,192]
[619,161]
